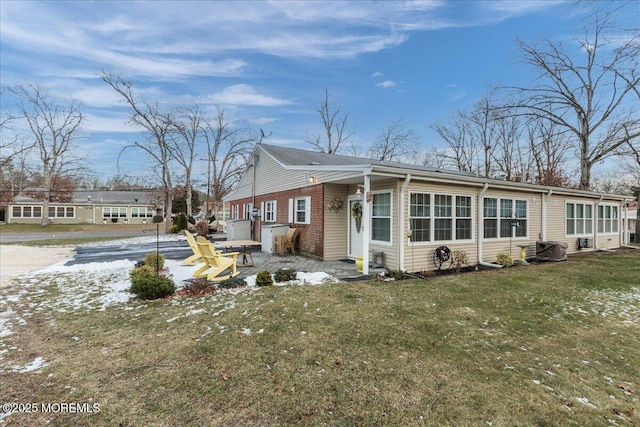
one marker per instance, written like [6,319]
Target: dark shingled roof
[297,157]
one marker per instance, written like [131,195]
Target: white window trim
[453,217]
[513,211]
[274,210]
[604,205]
[594,215]
[382,242]
[111,208]
[22,211]
[293,210]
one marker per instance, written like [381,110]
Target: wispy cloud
[377,74]
[242,94]
[387,84]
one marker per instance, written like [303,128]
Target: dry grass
[549,344]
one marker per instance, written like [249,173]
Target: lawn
[547,344]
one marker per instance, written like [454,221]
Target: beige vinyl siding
[335,223]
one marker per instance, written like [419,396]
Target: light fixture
[313,179]
[358,189]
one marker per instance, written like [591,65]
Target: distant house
[87,207]
[345,207]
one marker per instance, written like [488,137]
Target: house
[346,207]
[87,207]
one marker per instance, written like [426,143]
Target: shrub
[459,259]
[264,279]
[284,275]
[504,259]
[202,228]
[396,274]
[152,286]
[232,283]
[154,260]
[197,287]
[142,271]
[173,229]
[181,222]
[191,219]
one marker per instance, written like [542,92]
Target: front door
[354,244]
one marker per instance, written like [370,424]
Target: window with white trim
[138,212]
[505,218]
[111,212]
[450,219]
[63,211]
[579,219]
[381,217]
[236,211]
[420,217]
[26,211]
[607,219]
[270,208]
[300,210]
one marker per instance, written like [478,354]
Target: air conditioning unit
[584,242]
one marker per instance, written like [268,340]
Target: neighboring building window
[448,221]
[490,218]
[62,212]
[512,220]
[270,211]
[236,211]
[579,218]
[381,217]
[607,219]
[420,217]
[26,211]
[112,212]
[142,212]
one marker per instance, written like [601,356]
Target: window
[26,211]
[432,217]
[607,219]
[504,218]
[62,212]
[110,212]
[236,210]
[420,217]
[463,218]
[270,211]
[490,218]
[579,219]
[300,210]
[381,217]
[141,212]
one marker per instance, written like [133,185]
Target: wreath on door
[356,213]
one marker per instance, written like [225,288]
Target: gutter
[401,234]
[481,229]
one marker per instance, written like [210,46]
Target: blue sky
[268,63]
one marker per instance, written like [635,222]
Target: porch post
[366,225]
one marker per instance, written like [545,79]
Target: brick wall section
[310,238]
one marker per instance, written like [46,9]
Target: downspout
[625,228]
[545,199]
[401,233]
[366,226]
[481,228]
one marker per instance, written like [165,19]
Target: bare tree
[335,126]
[159,125]
[188,131]
[54,128]
[634,169]
[395,143]
[592,97]
[483,128]
[549,147]
[228,150]
[512,158]
[464,152]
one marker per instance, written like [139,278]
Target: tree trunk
[585,172]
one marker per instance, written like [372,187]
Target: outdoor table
[227,245]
